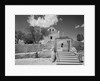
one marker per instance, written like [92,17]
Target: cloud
[44,22]
[82,25]
[60,19]
[82,41]
[78,26]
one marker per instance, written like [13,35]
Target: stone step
[68,63]
[67,57]
[65,53]
[67,60]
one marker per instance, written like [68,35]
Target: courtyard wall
[24,48]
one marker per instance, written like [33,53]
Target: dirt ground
[34,61]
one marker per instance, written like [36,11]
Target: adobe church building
[62,43]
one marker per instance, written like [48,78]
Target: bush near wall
[27,48]
[79,46]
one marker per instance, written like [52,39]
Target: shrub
[79,46]
[80,37]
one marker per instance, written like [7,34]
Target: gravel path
[34,61]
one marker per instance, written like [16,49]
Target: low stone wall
[42,54]
[27,48]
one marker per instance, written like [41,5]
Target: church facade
[62,43]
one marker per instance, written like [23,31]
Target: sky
[71,25]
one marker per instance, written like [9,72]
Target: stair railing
[80,57]
[57,56]
[77,54]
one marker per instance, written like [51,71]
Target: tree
[79,44]
[45,32]
[28,39]
[19,35]
[80,37]
[38,37]
[37,33]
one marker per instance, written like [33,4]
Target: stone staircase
[67,58]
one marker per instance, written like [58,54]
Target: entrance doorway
[63,45]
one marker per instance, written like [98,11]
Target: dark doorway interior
[50,37]
[62,44]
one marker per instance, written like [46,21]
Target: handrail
[57,56]
[79,55]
